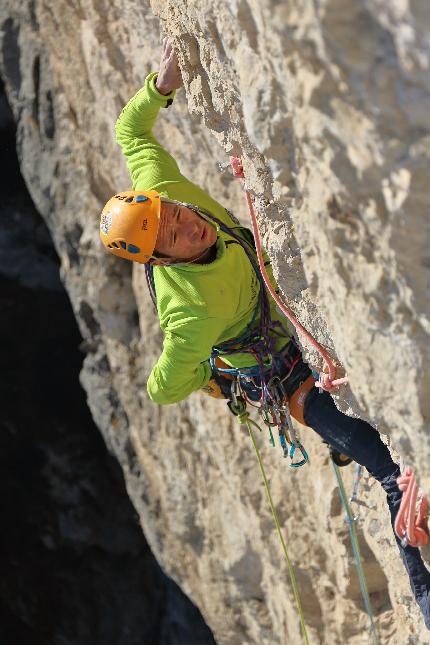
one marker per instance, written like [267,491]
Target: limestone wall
[328,104]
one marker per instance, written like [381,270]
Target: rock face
[328,106]
[76,568]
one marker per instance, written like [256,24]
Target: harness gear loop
[357,555]
[410,525]
[330,382]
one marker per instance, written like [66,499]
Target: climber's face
[182,234]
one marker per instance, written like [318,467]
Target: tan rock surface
[328,105]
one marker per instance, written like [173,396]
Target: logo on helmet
[145,225]
[106,222]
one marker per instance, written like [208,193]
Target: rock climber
[200,271]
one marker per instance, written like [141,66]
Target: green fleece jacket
[199,305]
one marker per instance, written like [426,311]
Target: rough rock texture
[328,105]
[76,568]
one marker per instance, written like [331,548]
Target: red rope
[327,381]
[410,524]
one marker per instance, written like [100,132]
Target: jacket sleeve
[183,366]
[149,163]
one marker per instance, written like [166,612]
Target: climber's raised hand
[169,77]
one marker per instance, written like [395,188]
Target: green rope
[245,420]
[357,555]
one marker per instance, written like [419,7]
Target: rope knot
[243,417]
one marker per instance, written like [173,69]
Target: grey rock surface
[76,568]
[327,104]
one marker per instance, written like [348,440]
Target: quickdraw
[354,499]
[282,419]
[275,415]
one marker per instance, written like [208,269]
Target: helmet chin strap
[170,262]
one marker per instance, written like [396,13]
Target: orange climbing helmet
[129,224]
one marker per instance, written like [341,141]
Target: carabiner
[283,442]
[264,412]
[276,391]
[297,445]
[235,390]
[237,404]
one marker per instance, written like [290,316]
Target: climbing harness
[296,403]
[410,525]
[350,520]
[244,419]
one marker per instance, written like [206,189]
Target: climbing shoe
[338,458]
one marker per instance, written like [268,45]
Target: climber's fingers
[169,75]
